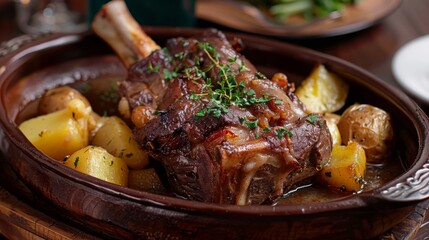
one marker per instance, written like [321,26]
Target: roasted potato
[98,123]
[331,122]
[60,133]
[145,180]
[332,117]
[57,99]
[117,138]
[97,162]
[369,126]
[346,168]
[322,91]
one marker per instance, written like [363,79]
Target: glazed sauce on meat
[103,96]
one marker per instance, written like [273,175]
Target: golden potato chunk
[332,117]
[331,122]
[145,180]
[117,138]
[345,171]
[60,133]
[97,162]
[369,126]
[322,91]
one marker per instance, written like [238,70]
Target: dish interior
[89,62]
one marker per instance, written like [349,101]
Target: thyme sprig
[282,131]
[227,91]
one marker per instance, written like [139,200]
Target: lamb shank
[223,132]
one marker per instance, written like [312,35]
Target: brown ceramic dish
[30,65]
[243,17]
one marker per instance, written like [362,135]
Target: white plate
[410,67]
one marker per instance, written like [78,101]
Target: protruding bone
[120,30]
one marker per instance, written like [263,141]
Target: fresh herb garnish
[227,92]
[249,123]
[282,131]
[312,119]
[278,102]
[243,67]
[260,75]
[76,161]
[232,59]
[169,75]
[153,69]
[180,55]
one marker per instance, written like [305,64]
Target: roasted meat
[222,131]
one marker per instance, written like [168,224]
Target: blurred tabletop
[371,49]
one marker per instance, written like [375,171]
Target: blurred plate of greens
[296,18]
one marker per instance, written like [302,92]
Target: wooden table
[371,49]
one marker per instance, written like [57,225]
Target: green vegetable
[308,9]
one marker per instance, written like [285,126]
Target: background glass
[36,16]
[154,12]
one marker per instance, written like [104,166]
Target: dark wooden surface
[371,49]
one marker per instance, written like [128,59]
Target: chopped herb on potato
[97,162]
[59,133]
[346,169]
